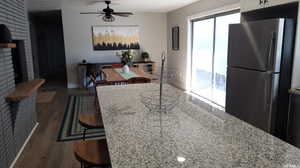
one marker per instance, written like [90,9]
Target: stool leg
[84,132]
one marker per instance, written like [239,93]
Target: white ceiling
[122,5]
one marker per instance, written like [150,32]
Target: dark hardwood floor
[43,151]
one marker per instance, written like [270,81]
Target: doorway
[48,48]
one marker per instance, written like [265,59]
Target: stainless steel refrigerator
[259,73]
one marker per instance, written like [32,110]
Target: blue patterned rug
[70,129]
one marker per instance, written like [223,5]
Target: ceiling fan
[108,12]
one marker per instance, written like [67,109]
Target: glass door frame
[214,16]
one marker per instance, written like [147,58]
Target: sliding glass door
[202,59]
[209,56]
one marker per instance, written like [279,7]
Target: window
[209,56]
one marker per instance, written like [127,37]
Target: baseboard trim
[24,145]
[178,84]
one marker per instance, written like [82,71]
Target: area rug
[45,96]
[70,129]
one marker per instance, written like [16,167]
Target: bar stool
[90,121]
[92,153]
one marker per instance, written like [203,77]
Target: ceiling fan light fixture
[108,12]
[108,18]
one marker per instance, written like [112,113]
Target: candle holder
[161,100]
[162,103]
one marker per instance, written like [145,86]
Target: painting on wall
[116,37]
[175,38]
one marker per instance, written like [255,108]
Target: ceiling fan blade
[123,13]
[96,1]
[92,13]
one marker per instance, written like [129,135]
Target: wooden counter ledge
[8,45]
[25,90]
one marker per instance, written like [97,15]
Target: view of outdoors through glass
[209,57]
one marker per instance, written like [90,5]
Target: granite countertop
[190,135]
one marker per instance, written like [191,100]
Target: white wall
[296,65]
[78,38]
[179,59]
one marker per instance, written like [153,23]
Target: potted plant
[126,60]
[145,56]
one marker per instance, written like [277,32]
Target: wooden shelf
[25,90]
[8,45]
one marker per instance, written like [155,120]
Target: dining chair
[92,154]
[136,80]
[106,67]
[94,73]
[117,65]
[96,83]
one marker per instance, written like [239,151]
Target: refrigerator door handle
[268,91]
[272,48]
[269,97]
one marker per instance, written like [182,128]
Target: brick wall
[16,119]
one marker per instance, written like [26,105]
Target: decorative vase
[145,56]
[126,69]
[146,60]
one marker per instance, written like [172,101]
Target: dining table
[116,75]
[185,132]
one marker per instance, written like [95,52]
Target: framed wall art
[116,37]
[175,38]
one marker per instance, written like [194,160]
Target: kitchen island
[190,134]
